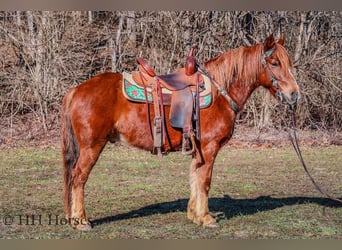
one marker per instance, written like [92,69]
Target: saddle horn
[190,63]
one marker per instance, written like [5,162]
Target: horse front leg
[191,211]
[200,180]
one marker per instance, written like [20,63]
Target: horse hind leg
[79,177]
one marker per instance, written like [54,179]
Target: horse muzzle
[290,99]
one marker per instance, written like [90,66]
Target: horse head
[276,71]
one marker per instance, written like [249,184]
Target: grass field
[256,193]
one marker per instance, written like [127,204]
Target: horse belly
[134,129]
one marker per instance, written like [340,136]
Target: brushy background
[44,53]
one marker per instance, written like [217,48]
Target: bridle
[274,81]
[293,139]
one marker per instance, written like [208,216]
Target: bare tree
[43,53]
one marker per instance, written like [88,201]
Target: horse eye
[275,64]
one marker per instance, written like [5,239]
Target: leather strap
[147,104]
[158,129]
[222,91]
[158,123]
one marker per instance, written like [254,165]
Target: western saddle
[185,86]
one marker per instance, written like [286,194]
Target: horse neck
[237,71]
[240,92]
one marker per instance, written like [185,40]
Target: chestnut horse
[96,112]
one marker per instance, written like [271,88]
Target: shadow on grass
[226,205]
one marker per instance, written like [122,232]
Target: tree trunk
[36,51]
[90,16]
[131,30]
[187,32]
[299,44]
[116,45]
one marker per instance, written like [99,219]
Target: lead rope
[294,141]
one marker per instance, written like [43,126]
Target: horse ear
[281,40]
[269,43]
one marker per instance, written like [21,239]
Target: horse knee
[80,181]
[205,185]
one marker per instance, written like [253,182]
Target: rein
[293,139]
[294,142]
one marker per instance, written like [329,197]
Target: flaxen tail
[70,151]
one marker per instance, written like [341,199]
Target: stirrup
[188,147]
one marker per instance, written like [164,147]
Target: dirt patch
[27,130]
[268,137]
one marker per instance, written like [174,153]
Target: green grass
[256,193]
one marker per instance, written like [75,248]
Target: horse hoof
[191,216]
[212,225]
[84,227]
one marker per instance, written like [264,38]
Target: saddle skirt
[134,90]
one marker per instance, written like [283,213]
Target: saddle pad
[135,92]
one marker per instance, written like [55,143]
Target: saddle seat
[178,80]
